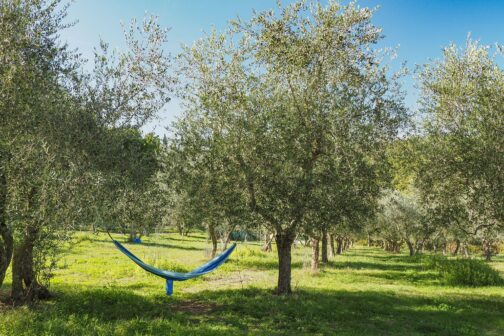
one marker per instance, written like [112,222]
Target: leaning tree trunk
[213,236]
[315,254]
[284,243]
[331,244]
[324,247]
[227,239]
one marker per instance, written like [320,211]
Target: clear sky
[420,28]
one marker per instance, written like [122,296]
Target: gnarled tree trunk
[25,287]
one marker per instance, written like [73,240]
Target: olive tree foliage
[460,165]
[55,143]
[205,191]
[277,102]
[35,111]
[401,220]
[128,89]
[129,195]
[344,199]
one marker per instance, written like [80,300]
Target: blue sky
[420,28]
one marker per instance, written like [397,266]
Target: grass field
[98,291]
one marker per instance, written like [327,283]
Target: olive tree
[280,98]
[56,125]
[460,172]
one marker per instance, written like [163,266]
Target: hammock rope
[171,276]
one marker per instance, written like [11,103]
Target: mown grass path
[98,291]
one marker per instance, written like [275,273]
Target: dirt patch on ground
[194,307]
[235,280]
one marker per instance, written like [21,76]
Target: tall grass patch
[465,272]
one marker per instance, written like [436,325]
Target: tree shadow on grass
[110,312]
[423,278]
[260,312]
[166,245]
[188,238]
[127,243]
[353,313]
[260,264]
[372,265]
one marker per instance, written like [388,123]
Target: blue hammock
[177,276]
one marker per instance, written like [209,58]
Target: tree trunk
[17,292]
[315,254]
[331,243]
[419,247]
[6,249]
[213,236]
[411,248]
[345,244]
[25,287]
[284,243]
[457,247]
[466,250]
[226,240]
[339,245]
[6,240]
[488,250]
[132,236]
[228,237]
[324,247]
[368,240]
[267,243]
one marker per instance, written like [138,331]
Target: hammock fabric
[177,276]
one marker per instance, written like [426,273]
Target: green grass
[98,291]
